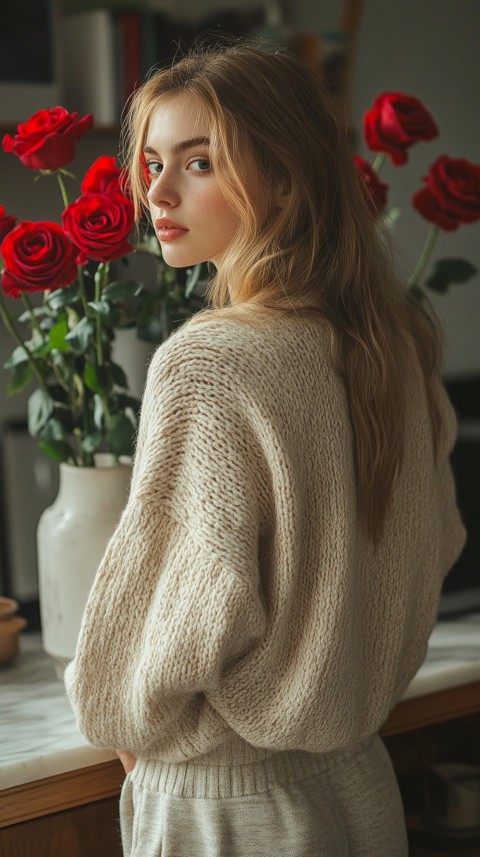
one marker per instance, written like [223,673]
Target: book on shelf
[104,54]
[88,75]
[102,60]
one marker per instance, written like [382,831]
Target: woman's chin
[175,259]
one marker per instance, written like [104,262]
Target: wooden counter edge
[435,707]
[62,791]
[104,780]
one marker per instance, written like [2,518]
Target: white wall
[427,48]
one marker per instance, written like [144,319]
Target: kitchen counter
[39,739]
[453,657]
[38,736]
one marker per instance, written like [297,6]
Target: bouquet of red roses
[451,193]
[82,403]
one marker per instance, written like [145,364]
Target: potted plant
[81,410]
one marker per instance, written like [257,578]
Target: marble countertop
[38,736]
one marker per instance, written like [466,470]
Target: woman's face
[192,219]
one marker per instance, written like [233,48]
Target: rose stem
[100,277]
[378,162]
[87,457]
[63,189]
[29,307]
[80,271]
[83,296]
[424,257]
[28,304]
[9,324]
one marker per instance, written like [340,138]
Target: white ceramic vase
[72,536]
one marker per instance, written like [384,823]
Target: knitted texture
[296,804]
[239,595]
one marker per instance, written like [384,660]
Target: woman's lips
[167,230]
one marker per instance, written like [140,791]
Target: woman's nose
[162,191]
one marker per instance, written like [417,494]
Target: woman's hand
[127,759]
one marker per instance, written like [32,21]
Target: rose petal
[427,205]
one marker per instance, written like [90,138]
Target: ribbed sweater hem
[208,777]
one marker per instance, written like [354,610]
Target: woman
[270,589]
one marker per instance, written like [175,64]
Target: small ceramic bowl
[10,627]
[8,606]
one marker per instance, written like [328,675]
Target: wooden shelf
[434,708]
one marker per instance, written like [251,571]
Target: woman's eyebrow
[182,145]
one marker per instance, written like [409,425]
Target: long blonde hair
[315,247]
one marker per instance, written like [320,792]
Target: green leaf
[170,276]
[115,316]
[38,312]
[147,308]
[20,378]
[192,277]
[58,357]
[40,408]
[448,271]
[58,335]
[47,323]
[121,291]
[100,307]
[59,450]
[19,355]
[120,435]
[152,331]
[97,378]
[52,430]
[73,317]
[91,442]
[150,244]
[124,401]
[64,297]
[90,378]
[118,375]
[41,349]
[81,336]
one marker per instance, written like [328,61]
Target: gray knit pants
[291,804]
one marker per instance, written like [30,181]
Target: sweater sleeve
[176,600]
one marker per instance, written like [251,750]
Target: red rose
[104,176]
[47,140]
[395,122]
[427,205]
[455,183]
[377,190]
[37,256]
[7,222]
[100,224]
[452,193]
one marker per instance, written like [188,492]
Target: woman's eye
[154,168]
[199,165]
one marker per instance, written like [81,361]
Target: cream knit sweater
[239,594]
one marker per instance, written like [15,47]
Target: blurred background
[88,56]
